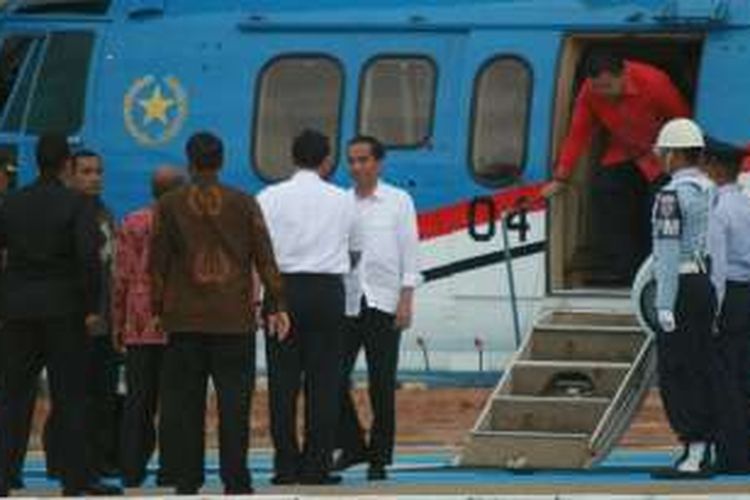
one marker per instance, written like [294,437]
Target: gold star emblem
[156,107]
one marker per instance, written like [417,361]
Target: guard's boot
[697,461]
[690,464]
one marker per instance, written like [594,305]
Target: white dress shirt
[311,223]
[729,239]
[387,221]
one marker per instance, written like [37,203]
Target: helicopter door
[573,265]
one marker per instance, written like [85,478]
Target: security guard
[684,296]
[49,292]
[729,248]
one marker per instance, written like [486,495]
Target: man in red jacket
[629,101]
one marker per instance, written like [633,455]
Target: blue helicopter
[472,98]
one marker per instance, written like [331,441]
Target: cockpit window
[13,54]
[48,90]
[60,91]
[17,106]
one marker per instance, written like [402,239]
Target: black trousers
[16,473]
[189,360]
[61,344]
[685,361]
[731,370]
[621,219]
[374,330]
[316,304]
[143,366]
[102,411]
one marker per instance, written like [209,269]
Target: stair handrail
[520,206]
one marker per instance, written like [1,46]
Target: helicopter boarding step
[567,395]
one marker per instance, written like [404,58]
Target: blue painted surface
[438,379]
[623,467]
[217,53]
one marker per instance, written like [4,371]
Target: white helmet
[680,133]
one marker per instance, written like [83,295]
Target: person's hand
[553,189]
[403,317]
[715,329]
[666,320]
[260,320]
[156,324]
[279,325]
[117,343]
[92,322]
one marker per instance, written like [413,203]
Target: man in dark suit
[49,296]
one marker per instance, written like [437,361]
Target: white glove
[666,320]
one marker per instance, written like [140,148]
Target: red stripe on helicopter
[452,218]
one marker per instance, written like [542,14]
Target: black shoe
[108,471]
[131,483]
[733,471]
[93,490]
[347,459]
[16,483]
[320,479]
[669,473]
[163,479]
[284,479]
[376,473]
[241,490]
[186,490]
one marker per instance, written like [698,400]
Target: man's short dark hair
[694,156]
[205,151]
[604,61]
[309,149]
[84,153]
[725,155]
[52,151]
[376,147]
[160,187]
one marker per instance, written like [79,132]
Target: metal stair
[529,424]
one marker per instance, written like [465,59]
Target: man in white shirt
[379,305]
[729,248]
[311,223]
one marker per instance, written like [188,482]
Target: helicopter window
[60,92]
[13,53]
[501,104]
[19,100]
[397,100]
[296,92]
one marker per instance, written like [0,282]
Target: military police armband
[667,216]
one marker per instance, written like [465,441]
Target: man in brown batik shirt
[207,239]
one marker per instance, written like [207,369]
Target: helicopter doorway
[571,260]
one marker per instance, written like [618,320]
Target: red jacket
[632,122]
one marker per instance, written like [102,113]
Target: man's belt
[692,267]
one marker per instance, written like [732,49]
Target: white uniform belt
[691,267]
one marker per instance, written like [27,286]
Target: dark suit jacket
[52,243]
